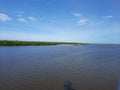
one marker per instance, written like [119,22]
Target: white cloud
[77,14]
[4,17]
[21,19]
[89,22]
[96,23]
[82,22]
[107,17]
[33,19]
[19,13]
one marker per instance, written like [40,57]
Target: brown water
[89,67]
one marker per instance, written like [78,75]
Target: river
[86,67]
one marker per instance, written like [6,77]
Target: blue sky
[93,21]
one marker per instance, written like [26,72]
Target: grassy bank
[35,43]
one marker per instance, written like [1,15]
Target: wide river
[87,67]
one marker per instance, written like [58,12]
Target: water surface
[87,67]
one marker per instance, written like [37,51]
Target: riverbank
[35,43]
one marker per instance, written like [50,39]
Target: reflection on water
[68,85]
[92,67]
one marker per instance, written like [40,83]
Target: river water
[87,67]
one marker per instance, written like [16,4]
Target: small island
[35,43]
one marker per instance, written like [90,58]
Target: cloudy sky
[94,21]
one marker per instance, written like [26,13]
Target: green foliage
[32,43]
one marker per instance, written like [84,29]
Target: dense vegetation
[33,43]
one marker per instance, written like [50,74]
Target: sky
[88,21]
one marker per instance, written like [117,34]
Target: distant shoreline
[37,43]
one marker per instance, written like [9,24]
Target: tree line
[34,43]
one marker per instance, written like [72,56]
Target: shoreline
[37,43]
